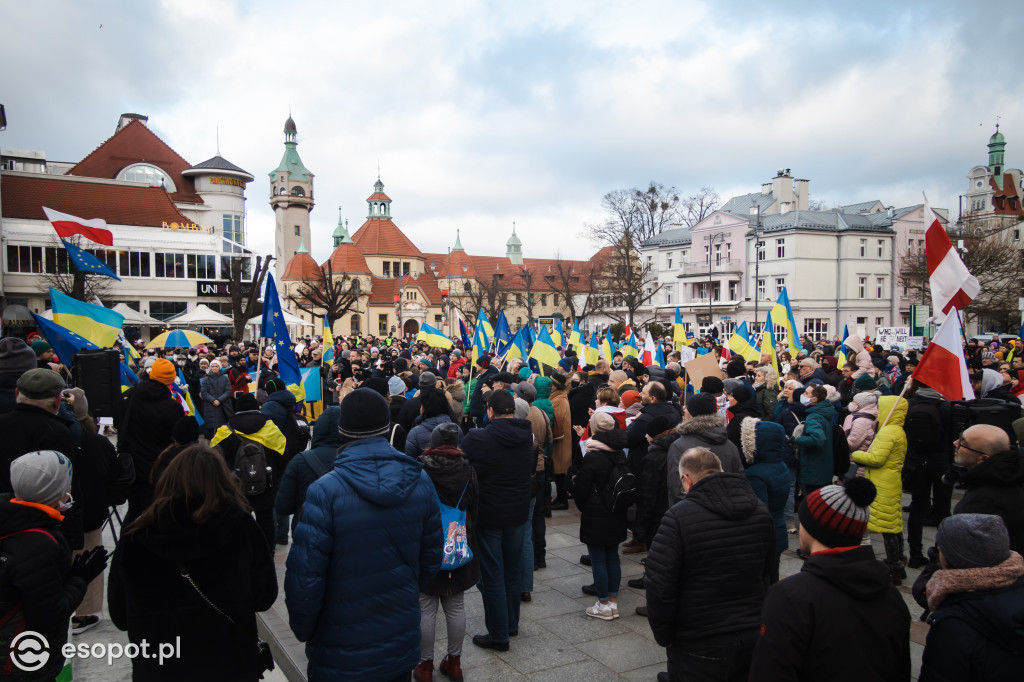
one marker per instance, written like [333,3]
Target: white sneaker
[602,611]
[615,608]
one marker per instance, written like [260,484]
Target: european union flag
[274,327]
[86,262]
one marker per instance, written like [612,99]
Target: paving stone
[532,654]
[557,540]
[584,671]
[578,627]
[620,653]
[649,673]
[558,567]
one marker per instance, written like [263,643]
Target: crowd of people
[426,474]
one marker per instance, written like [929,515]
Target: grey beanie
[522,408]
[428,379]
[16,357]
[732,384]
[866,398]
[396,386]
[43,476]
[447,433]
[455,353]
[973,540]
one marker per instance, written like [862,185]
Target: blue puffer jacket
[369,541]
[763,448]
[418,439]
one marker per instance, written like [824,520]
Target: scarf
[945,583]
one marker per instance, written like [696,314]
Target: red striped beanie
[837,515]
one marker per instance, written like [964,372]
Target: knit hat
[79,403]
[525,390]
[730,385]
[567,364]
[522,408]
[558,380]
[39,384]
[712,385]
[274,384]
[525,373]
[987,355]
[246,402]
[377,384]
[16,357]
[186,430]
[428,379]
[837,515]
[742,393]
[630,398]
[40,347]
[973,540]
[701,404]
[163,371]
[735,368]
[396,386]
[865,383]
[865,399]
[660,425]
[501,401]
[447,433]
[364,414]
[601,421]
[43,476]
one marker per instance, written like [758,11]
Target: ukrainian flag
[607,345]
[741,343]
[575,338]
[679,335]
[481,341]
[517,346]
[488,329]
[434,337]
[768,343]
[502,334]
[659,356]
[101,326]
[782,315]
[591,353]
[544,350]
[630,347]
[841,351]
[328,355]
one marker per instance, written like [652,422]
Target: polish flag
[952,284]
[67,225]
[647,357]
[942,366]
[628,331]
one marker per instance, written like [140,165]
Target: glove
[89,564]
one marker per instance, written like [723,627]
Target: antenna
[378,169]
[997,122]
[218,139]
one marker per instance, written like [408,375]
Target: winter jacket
[636,433]
[710,562]
[215,387]
[884,464]
[502,455]
[816,445]
[258,427]
[456,394]
[859,425]
[455,368]
[280,407]
[856,343]
[763,448]
[97,469]
[705,431]
[741,411]
[936,458]
[652,486]
[996,486]
[228,560]
[766,397]
[838,620]
[543,401]
[307,466]
[599,525]
[239,379]
[418,439]
[581,400]
[976,635]
[477,404]
[542,435]
[36,573]
[561,429]
[455,483]
[790,415]
[369,540]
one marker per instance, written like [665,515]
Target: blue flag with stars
[86,262]
[274,328]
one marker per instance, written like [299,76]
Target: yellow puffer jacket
[884,464]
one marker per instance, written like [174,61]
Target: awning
[17,315]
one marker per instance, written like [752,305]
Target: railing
[717,266]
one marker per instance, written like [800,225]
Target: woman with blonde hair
[766,390]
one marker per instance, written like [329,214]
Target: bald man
[994,476]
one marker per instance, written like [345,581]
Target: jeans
[790,499]
[718,658]
[500,579]
[526,570]
[455,622]
[604,563]
[539,527]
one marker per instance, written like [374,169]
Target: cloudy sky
[481,114]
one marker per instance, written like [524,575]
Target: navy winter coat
[369,540]
[300,474]
[502,454]
[215,387]
[418,439]
[763,448]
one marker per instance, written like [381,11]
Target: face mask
[66,505]
[805,400]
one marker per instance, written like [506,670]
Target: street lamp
[757,263]
[711,246]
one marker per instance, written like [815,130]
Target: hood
[177,537]
[249,421]
[825,409]
[151,391]
[325,429]
[1003,469]
[990,381]
[727,495]
[870,408]
[855,572]
[543,386]
[430,422]
[457,390]
[664,441]
[284,398]
[929,393]
[855,342]
[996,614]
[894,404]
[615,439]
[379,473]
[763,442]
[707,427]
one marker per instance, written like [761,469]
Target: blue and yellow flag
[434,337]
[575,338]
[516,348]
[311,384]
[502,334]
[592,353]
[488,329]
[768,343]
[679,335]
[659,356]
[782,316]
[328,355]
[274,327]
[630,347]
[86,262]
[607,344]
[101,326]
[557,327]
[481,342]
[841,351]
[66,343]
[741,343]
[544,350]
[467,341]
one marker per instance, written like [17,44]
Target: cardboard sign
[892,336]
[702,366]
[915,342]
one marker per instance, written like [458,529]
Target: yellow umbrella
[179,338]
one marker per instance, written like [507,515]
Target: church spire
[458,242]
[341,235]
[514,248]
[302,246]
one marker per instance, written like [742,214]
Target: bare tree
[570,279]
[526,276]
[483,296]
[65,278]
[327,296]
[245,295]
[816,204]
[699,206]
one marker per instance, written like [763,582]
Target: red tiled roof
[459,258]
[301,266]
[486,266]
[379,196]
[24,196]
[384,289]
[135,143]
[382,237]
[346,258]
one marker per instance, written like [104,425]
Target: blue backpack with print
[456,542]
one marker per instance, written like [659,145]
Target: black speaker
[98,373]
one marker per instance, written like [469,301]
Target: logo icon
[29,651]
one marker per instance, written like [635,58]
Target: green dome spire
[341,235]
[302,246]
[458,242]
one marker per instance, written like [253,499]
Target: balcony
[718,267]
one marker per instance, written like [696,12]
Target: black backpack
[621,491]
[986,411]
[840,451]
[923,426]
[251,466]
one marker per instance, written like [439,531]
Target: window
[382,324]
[24,258]
[396,267]
[879,285]
[202,267]
[231,225]
[467,287]
[718,254]
[405,269]
[702,290]
[298,231]
[149,174]
[881,248]
[410,296]
[245,264]
[762,289]
[519,299]
[168,265]
[353,324]
[298,191]
[387,268]
[519,323]
[862,287]
[134,264]
[543,299]
[862,320]
[164,310]
[728,251]
[668,295]
[734,291]
[684,256]
[554,299]
[707,254]
[650,261]
[716,291]
[863,248]
[816,327]
[780,284]
[780,248]
[760,250]
[879,321]
[56,261]
[668,260]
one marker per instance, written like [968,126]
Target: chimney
[782,189]
[766,188]
[803,193]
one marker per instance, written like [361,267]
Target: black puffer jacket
[454,478]
[710,562]
[636,433]
[307,466]
[996,486]
[151,413]
[97,469]
[502,454]
[812,618]
[705,431]
[746,408]
[599,525]
[653,486]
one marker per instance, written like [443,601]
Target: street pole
[757,264]
[711,245]
[451,331]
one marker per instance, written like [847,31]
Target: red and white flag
[647,357]
[942,367]
[94,230]
[952,284]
